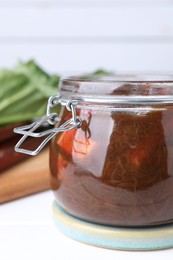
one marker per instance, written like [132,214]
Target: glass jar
[116,167]
[111,156]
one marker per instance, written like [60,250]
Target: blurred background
[84,35]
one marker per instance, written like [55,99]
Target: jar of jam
[111,156]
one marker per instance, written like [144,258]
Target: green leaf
[102,72]
[24,92]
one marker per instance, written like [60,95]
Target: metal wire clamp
[51,118]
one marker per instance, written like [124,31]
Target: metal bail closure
[51,118]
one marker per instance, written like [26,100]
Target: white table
[27,232]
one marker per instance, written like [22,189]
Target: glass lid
[115,88]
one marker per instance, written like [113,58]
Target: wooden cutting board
[26,178]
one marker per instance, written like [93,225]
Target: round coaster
[149,238]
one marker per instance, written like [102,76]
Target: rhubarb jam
[117,167]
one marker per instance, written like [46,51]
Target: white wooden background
[83,35]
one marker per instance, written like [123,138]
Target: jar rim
[119,88]
[110,78]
